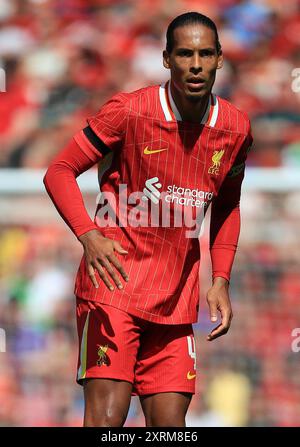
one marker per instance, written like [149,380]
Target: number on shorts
[192,348]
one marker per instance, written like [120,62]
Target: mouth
[195,83]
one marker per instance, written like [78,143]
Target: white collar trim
[171,111]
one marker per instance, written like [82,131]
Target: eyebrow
[201,49]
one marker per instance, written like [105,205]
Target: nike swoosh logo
[190,376]
[147,152]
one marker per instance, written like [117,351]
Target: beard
[196,97]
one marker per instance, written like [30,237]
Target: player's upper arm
[238,167]
[230,191]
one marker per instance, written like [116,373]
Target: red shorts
[115,345]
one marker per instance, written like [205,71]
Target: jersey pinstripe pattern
[162,263]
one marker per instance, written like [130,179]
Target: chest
[179,155]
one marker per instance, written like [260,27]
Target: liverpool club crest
[216,159]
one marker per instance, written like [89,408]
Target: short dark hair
[190,18]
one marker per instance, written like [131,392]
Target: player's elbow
[50,176]
[56,168]
[45,179]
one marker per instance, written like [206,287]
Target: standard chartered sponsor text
[187,196]
[177,207]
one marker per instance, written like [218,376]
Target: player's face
[193,61]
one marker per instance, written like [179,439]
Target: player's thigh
[108,345]
[166,409]
[106,402]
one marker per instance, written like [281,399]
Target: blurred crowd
[63,59]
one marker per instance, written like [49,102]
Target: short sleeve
[109,123]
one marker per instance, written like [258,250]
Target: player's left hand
[218,301]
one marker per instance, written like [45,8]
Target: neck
[189,109]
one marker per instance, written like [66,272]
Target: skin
[194,55]
[107,401]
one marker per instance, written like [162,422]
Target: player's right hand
[100,257]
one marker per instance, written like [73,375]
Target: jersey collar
[172,114]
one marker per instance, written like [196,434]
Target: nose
[196,64]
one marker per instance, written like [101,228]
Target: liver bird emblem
[102,360]
[216,159]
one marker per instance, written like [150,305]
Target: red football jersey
[162,173]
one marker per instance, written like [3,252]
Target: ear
[220,60]
[166,59]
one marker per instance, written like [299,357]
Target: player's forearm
[61,185]
[224,236]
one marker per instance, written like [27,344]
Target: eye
[184,53]
[207,53]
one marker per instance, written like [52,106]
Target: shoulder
[231,118]
[114,113]
[143,101]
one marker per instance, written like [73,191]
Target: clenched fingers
[222,328]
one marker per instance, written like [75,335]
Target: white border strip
[173,105]
[83,350]
[214,117]
[163,102]
[206,114]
